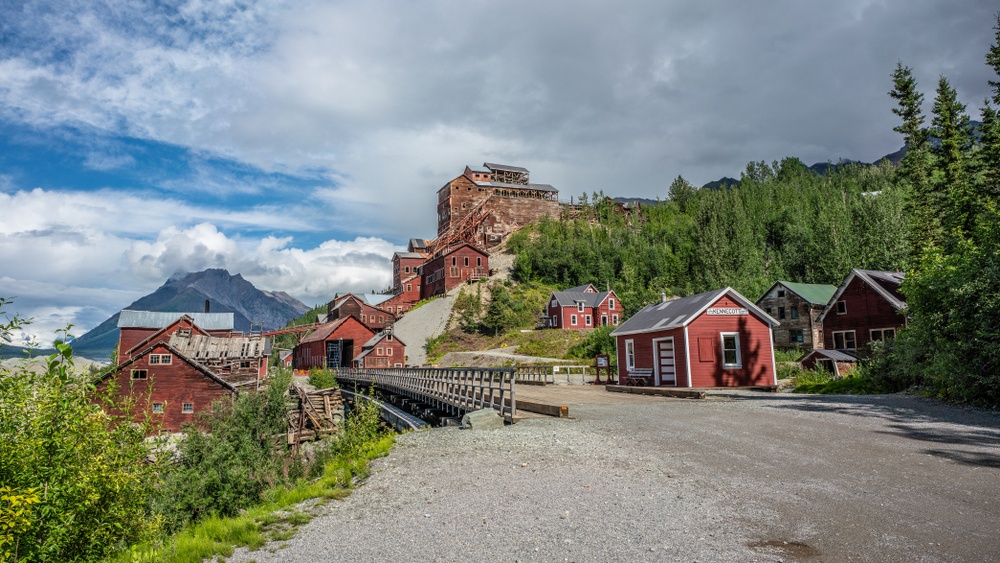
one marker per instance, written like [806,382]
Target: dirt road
[762,477]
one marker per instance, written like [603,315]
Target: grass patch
[273,519]
[547,343]
[821,382]
[787,355]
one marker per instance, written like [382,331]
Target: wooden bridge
[437,392]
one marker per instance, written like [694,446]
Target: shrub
[597,341]
[75,480]
[322,379]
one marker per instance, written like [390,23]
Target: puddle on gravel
[792,549]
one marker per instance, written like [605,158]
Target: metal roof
[418,243]
[814,293]
[678,313]
[159,319]
[571,298]
[324,332]
[582,288]
[480,169]
[505,168]
[409,255]
[378,338]
[536,187]
[835,355]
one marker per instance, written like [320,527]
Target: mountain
[187,293]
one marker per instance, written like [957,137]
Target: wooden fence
[453,391]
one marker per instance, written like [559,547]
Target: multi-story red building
[383,350]
[582,307]
[334,344]
[361,308]
[451,267]
[866,307]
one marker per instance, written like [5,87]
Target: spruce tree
[955,199]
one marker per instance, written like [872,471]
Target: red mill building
[489,202]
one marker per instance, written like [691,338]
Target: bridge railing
[534,374]
[454,391]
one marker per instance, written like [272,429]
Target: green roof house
[797,306]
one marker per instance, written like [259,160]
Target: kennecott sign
[727,311]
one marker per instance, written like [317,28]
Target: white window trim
[854,337]
[881,331]
[184,408]
[587,320]
[722,349]
[630,354]
[614,320]
[572,320]
[157,408]
[611,304]
[555,320]
[579,307]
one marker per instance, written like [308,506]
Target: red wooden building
[383,350]
[332,345]
[164,383]
[138,327]
[867,306]
[405,265]
[451,267]
[361,307]
[582,307]
[714,339]
[404,296]
[835,361]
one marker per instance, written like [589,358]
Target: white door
[663,349]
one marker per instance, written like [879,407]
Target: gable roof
[194,328]
[158,319]
[491,166]
[409,255]
[322,333]
[679,313]
[571,298]
[176,352]
[379,336]
[885,284]
[455,248]
[814,293]
[582,288]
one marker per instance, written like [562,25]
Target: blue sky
[301,143]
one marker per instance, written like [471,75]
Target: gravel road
[753,478]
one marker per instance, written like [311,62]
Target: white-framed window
[572,320]
[409,287]
[388,351]
[160,359]
[407,269]
[611,304]
[614,320]
[604,320]
[379,352]
[883,334]
[731,350]
[158,408]
[630,354]
[554,304]
[579,307]
[587,320]
[140,374]
[555,320]
[187,408]
[844,340]
[479,261]
[841,307]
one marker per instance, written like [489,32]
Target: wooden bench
[638,377]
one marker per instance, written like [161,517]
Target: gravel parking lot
[759,477]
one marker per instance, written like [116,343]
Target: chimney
[208,306]
[663,296]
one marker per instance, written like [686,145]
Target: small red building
[405,265]
[162,382]
[451,267]
[383,350]
[714,339]
[333,345]
[867,306]
[582,307]
[833,361]
[405,296]
[361,307]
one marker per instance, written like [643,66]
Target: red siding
[313,354]
[384,359]
[703,344]
[173,385]
[440,275]
[564,314]
[866,310]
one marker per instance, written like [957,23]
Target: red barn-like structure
[383,350]
[867,306]
[332,345]
[582,307]
[714,339]
[451,267]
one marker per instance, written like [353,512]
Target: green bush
[597,341]
[322,379]
[76,481]
[228,467]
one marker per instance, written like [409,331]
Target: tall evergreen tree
[914,170]
[988,161]
[956,198]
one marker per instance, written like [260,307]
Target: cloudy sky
[301,142]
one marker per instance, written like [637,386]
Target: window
[629,354]
[781,293]
[579,307]
[158,408]
[794,312]
[454,271]
[160,359]
[572,320]
[555,320]
[187,408]
[731,350]
[139,374]
[479,261]
[795,336]
[781,312]
[245,364]
[454,261]
[388,351]
[844,340]
[611,304]
[554,303]
[604,320]
[586,321]
[841,307]
[407,269]
[379,352]
[381,318]
[768,310]
[409,287]
[614,320]
[463,205]
[399,309]
[881,334]
[466,261]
